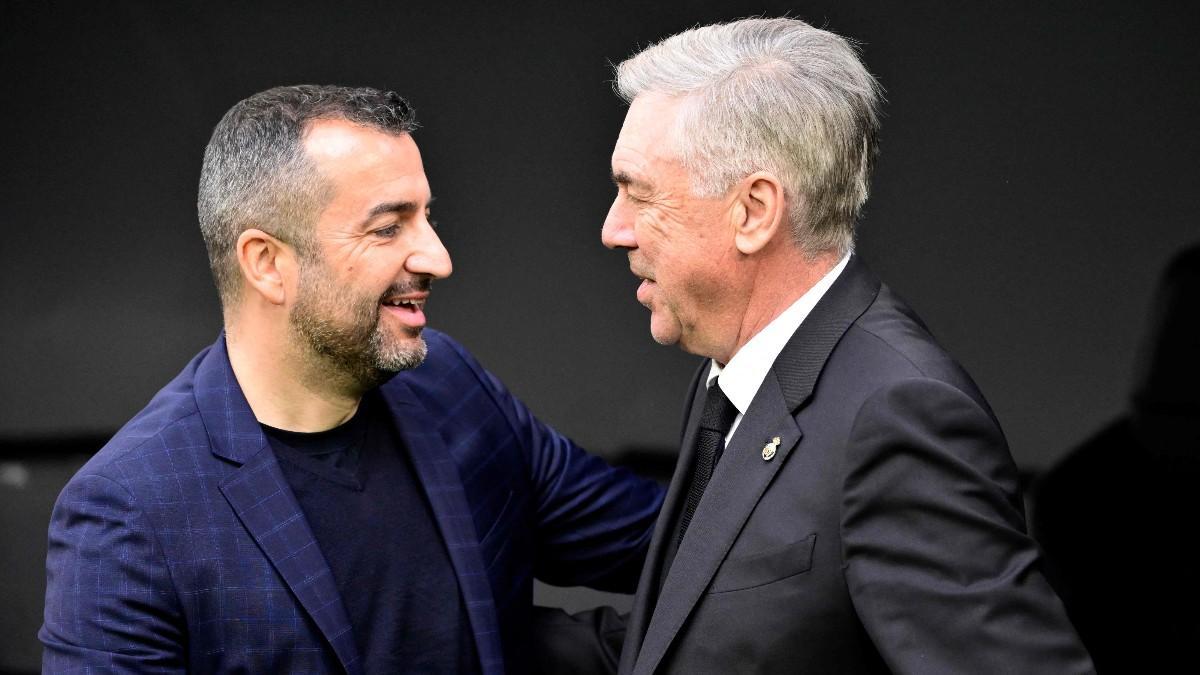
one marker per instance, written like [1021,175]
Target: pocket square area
[740,573]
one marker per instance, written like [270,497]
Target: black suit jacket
[886,533]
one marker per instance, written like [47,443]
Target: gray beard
[355,349]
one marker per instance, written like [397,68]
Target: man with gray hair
[844,501]
[328,487]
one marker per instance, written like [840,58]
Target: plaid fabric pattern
[180,545]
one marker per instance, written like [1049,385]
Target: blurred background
[1038,172]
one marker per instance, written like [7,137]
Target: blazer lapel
[260,496]
[800,362]
[651,579]
[443,487]
[743,475]
[736,486]
[262,500]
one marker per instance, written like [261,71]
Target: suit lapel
[742,475]
[736,486]
[443,487]
[262,500]
[260,496]
[651,579]
[800,362]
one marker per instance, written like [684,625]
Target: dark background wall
[1038,168]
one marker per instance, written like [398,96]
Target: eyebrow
[620,178]
[398,208]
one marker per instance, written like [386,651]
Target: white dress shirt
[745,372]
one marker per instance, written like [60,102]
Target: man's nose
[618,227]
[430,256]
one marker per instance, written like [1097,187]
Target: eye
[387,232]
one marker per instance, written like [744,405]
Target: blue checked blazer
[180,546]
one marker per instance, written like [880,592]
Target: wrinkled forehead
[648,129]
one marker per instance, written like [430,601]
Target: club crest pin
[770,448]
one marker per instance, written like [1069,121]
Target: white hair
[772,95]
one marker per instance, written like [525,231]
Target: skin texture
[340,310]
[715,271]
[677,243]
[309,337]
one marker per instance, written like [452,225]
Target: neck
[777,281]
[286,387]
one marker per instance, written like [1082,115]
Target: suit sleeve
[938,563]
[110,606]
[594,521]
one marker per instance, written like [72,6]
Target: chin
[404,355]
[664,335]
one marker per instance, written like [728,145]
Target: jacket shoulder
[169,423]
[896,336]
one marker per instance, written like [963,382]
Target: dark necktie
[715,421]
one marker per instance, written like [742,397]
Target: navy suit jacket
[864,518]
[181,546]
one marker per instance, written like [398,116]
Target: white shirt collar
[745,372]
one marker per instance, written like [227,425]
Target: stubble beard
[354,348]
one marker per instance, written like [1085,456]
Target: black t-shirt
[359,492]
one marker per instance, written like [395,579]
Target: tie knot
[719,411]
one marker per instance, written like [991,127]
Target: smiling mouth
[408,309]
[413,304]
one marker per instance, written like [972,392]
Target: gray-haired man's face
[681,246]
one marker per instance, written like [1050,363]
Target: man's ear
[266,264]
[760,212]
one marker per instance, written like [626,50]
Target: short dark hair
[256,173]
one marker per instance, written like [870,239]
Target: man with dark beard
[328,487]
